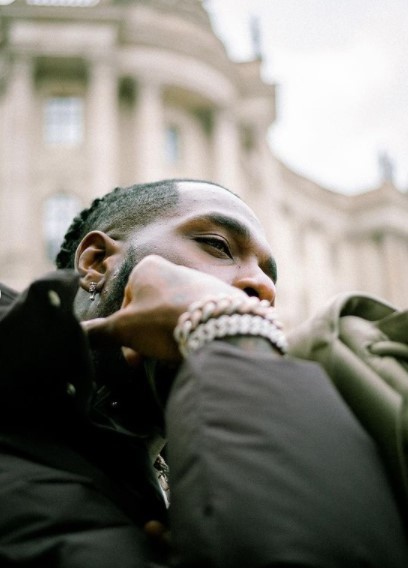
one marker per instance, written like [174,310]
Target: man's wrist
[228,316]
[253,344]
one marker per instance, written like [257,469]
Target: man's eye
[216,243]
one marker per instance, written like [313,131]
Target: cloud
[343,82]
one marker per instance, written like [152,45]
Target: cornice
[192,10]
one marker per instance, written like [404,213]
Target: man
[267,465]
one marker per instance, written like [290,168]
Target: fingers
[132,357]
[99,332]
[93,324]
[158,533]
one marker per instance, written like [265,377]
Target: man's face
[210,230]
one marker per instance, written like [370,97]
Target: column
[401,283]
[16,212]
[347,264]
[226,151]
[371,274]
[285,247]
[317,275]
[149,134]
[267,188]
[394,269]
[103,125]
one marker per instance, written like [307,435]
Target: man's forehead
[192,188]
[200,196]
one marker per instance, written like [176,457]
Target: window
[172,145]
[59,211]
[63,120]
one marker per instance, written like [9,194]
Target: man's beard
[114,295]
[141,409]
[109,362]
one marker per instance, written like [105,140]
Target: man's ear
[93,258]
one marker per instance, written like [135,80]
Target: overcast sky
[342,71]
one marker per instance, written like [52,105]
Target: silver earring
[92,290]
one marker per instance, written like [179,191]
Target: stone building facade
[95,94]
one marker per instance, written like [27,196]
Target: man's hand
[157,293]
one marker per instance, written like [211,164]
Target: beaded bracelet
[223,316]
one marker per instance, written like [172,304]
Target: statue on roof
[387,167]
[255,31]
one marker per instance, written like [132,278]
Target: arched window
[58,212]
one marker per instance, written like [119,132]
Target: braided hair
[121,211]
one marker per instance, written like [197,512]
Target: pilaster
[102,127]
[16,211]
[226,151]
[149,142]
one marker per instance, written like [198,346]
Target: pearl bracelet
[224,316]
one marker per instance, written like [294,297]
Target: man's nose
[257,284]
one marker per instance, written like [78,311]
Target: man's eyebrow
[229,223]
[242,231]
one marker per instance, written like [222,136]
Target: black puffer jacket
[268,467]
